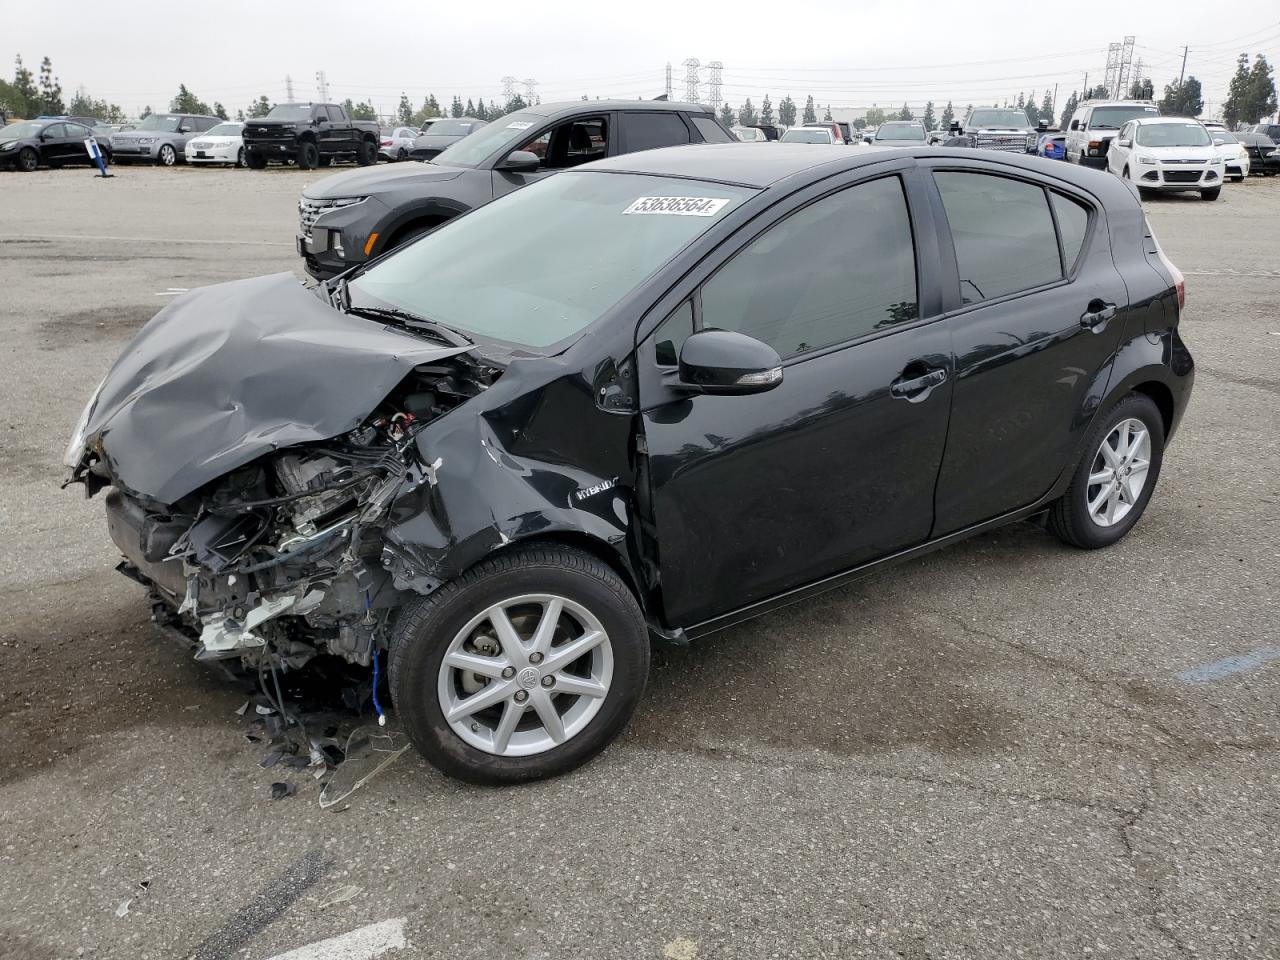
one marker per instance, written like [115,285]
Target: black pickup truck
[311,134]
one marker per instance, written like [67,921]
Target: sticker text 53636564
[679,206]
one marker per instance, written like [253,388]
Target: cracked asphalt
[985,753]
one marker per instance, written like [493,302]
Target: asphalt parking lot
[1009,748]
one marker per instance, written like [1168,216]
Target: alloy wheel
[525,675]
[28,160]
[168,157]
[1118,473]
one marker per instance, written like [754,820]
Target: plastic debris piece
[242,709]
[123,909]
[264,711]
[367,755]
[280,790]
[341,895]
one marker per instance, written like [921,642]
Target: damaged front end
[280,557]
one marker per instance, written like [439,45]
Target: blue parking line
[1229,665]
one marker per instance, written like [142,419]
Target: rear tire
[1071,518]
[423,685]
[308,155]
[402,154]
[367,154]
[1210,194]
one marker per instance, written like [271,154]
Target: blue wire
[382,717]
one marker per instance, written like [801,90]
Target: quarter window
[1003,234]
[837,269]
[1073,223]
[710,130]
[672,333]
[646,131]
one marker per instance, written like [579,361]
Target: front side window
[840,268]
[1003,234]
[56,131]
[537,266]
[648,131]
[571,144]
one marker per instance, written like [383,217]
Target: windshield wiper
[412,321]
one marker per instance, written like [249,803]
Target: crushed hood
[228,373]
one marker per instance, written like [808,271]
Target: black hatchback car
[28,144]
[646,399]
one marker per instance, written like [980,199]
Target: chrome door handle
[918,388]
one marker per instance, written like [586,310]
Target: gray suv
[352,217]
[161,138]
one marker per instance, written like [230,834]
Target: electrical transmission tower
[713,84]
[668,79]
[1113,67]
[530,90]
[322,87]
[288,88]
[508,87]
[1126,62]
[691,80]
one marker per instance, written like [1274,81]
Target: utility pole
[668,79]
[322,86]
[1183,71]
[1084,94]
[508,87]
[713,83]
[288,88]
[530,90]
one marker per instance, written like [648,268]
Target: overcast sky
[859,53]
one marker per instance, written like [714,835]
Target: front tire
[241,160]
[1115,478]
[1210,194]
[28,160]
[167,157]
[525,667]
[308,156]
[255,161]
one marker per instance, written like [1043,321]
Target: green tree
[1236,106]
[219,110]
[262,106]
[187,102]
[481,112]
[747,114]
[515,103]
[1033,112]
[50,90]
[470,108]
[239,116]
[727,116]
[787,111]
[948,115]
[859,124]
[1182,100]
[455,108]
[1046,108]
[83,105]
[1262,90]
[1100,92]
[810,114]
[1068,109]
[25,95]
[905,113]
[929,119]
[363,111]
[827,116]
[146,112]
[766,111]
[404,111]
[1142,89]
[876,116]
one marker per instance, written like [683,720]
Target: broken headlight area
[281,559]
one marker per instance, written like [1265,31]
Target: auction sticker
[519,124]
[679,206]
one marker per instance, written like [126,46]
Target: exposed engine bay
[283,558]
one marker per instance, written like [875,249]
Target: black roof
[759,165]
[577,106]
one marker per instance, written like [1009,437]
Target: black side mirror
[520,161]
[1075,125]
[728,363]
[955,127]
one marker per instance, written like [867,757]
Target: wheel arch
[432,213]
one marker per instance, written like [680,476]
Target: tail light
[1179,281]
[386,143]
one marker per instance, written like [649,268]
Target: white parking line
[95,236]
[362,944]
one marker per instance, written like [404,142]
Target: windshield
[20,131]
[509,132]
[226,130]
[451,128]
[290,111]
[539,265]
[999,118]
[811,135]
[748,134]
[159,121]
[1189,134]
[1113,118]
[907,131]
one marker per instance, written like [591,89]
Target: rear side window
[1073,224]
[710,130]
[647,131]
[840,268]
[1003,234]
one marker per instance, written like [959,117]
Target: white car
[220,144]
[750,134]
[899,133]
[1234,154]
[1166,155]
[395,144]
[808,135]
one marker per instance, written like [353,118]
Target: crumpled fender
[231,372]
